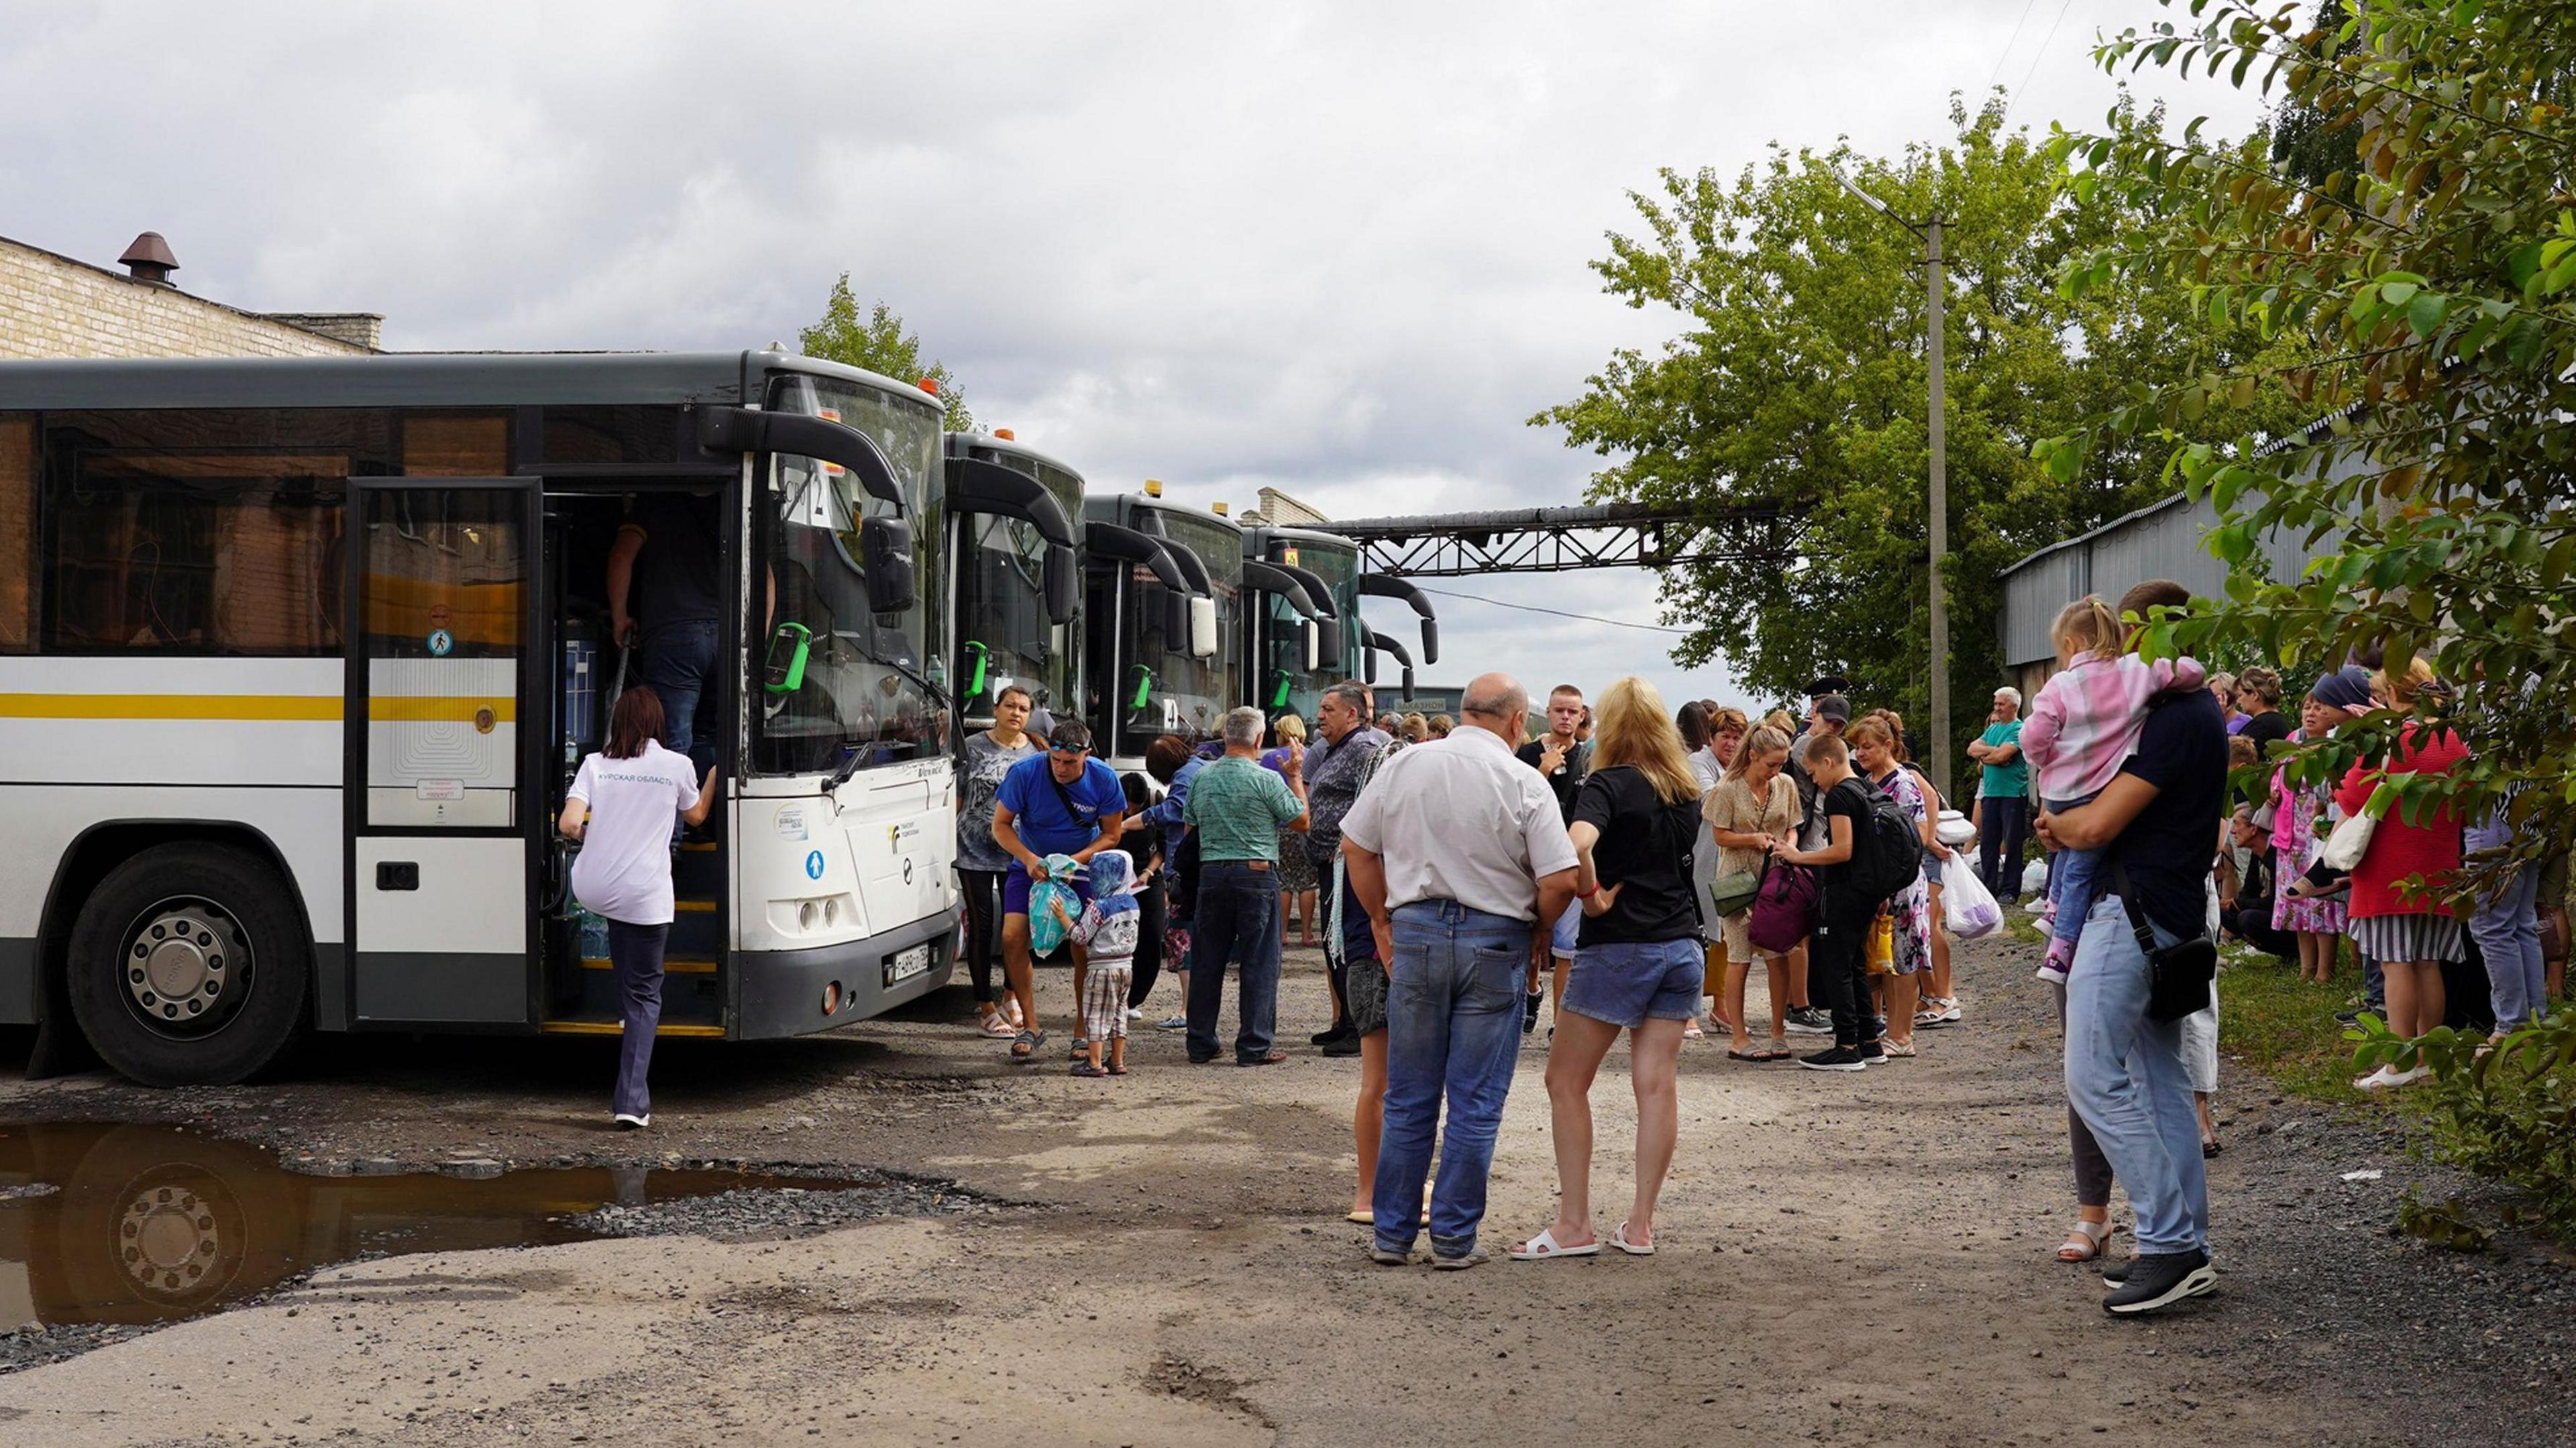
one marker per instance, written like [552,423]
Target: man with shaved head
[1459,855]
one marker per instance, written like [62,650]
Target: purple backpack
[1784,912]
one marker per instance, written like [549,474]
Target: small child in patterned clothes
[1107,930]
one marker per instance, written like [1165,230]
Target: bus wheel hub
[181,962]
[167,1239]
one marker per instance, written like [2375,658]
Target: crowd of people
[1620,867]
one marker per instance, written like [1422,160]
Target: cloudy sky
[1337,249]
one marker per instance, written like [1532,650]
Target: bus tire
[189,967]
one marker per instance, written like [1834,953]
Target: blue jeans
[2506,926]
[1453,1027]
[1237,921]
[680,668]
[2128,1078]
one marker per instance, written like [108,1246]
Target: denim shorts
[1628,983]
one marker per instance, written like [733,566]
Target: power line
[1998,72]
[1560,613]
[2036,58]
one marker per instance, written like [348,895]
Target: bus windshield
[870,687]
[1181,695]
[1008,641]
[1283,661]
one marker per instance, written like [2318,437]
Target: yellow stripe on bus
[301,708]
[429,709]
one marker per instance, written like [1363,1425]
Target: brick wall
[53,306]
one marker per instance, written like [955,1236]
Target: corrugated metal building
[2163,540]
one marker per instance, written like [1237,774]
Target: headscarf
[1113,882]
[2345,688]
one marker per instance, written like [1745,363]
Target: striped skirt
[2407,937]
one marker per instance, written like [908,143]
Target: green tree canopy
[2433,288]
[879,343]
[1788,416]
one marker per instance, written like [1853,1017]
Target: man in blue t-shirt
[1064,802]
[2125,1073]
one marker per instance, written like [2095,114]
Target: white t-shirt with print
[624,869]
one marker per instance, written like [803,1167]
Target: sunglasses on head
[1069,748]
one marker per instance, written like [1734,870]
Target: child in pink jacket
[2083,726]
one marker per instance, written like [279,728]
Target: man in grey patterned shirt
[1336,766]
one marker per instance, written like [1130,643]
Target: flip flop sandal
[1733,1054]
[1360,1219]
[1619,1239]
[1544,1245]
[1117,1070]
[1085,1068]
[1777,1051]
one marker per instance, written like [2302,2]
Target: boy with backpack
[1870,851]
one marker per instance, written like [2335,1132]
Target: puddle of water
[139,1225]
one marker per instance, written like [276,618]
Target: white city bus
[298,655]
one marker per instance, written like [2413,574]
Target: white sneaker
[1135,1014]
[2384,1078]
[629,1121]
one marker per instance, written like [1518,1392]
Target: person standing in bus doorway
[1062,803]
[620,811]
[668,563]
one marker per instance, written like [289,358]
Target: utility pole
[1939,739]
[1939,594]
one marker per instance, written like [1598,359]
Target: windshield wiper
[932,697]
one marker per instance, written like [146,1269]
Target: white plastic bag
[1968,908]
[2034,880]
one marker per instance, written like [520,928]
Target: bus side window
[17,533]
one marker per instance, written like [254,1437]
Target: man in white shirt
[1456,850]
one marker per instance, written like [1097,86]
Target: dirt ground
[1844,1259]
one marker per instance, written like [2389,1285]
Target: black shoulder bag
[2178,975]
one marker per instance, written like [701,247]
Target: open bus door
[446,804]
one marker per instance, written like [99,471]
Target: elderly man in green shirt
[2003,798]
[1236,809]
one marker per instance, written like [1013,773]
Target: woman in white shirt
[620,808]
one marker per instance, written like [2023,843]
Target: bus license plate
[908,964]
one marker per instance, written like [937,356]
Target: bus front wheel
[189,967]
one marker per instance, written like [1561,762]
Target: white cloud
[1338,248]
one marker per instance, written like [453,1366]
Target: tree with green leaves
[1788,417]
[879,343]
[2434,289]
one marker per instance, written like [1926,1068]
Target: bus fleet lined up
[301,652]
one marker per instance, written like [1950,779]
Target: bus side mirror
[1313,639]
[1328,644]
[885,554]
[1063,579]
[1202,632]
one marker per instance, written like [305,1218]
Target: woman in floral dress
[2296,812]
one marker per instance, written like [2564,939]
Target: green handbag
[1732,894]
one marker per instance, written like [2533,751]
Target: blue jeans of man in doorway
[1237,922]
[2129,1079]
[680,667]
[1453,1030]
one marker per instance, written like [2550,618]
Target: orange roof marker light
[929,385]
[1006,435]
[1153,487]
[1217,508]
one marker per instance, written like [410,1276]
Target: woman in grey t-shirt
[980,862]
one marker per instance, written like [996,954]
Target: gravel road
[1161,1258]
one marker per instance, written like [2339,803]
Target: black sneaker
[1326,1038]
[1840,1058]
[1809,1021]
[2349,1018]
[1873,1054]
[1346,1045]
[2116,1273]
[2154,1281]
[1529,1010]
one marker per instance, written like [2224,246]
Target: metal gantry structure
[1557,540]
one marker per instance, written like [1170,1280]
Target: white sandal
[2086,1242]
[1544,1246]
[1619,1239]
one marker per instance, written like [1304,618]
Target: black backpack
[1888,855]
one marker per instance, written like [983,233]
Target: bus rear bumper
[782,992]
